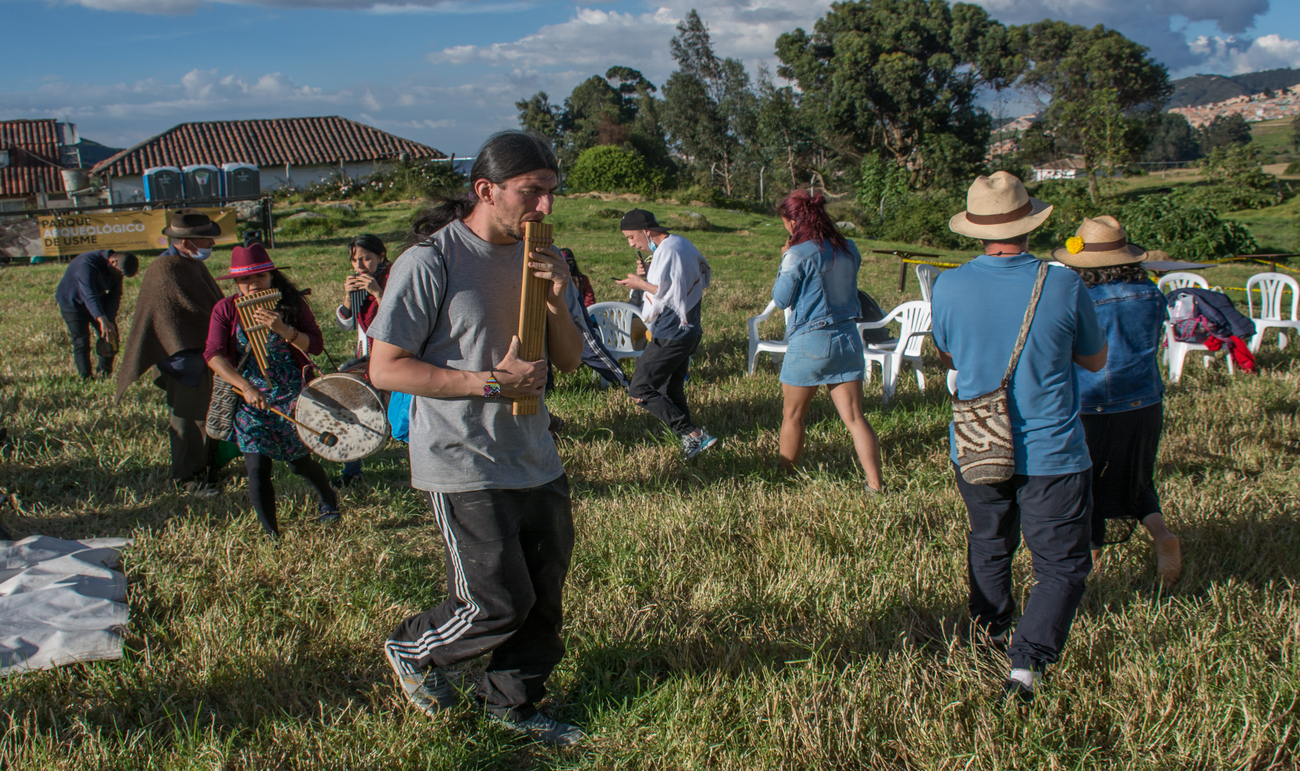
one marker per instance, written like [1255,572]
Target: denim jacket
[1132,316]
[819,285]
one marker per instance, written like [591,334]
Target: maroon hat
[248,261]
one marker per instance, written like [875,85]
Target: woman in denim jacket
[818,282]
[1121,404]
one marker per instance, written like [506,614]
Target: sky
[448,72]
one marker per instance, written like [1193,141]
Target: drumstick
[325,437]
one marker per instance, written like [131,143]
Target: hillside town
[1263,106]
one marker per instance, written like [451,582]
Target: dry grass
[719,616]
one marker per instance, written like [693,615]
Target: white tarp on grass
[60,602]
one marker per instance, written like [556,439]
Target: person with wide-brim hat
[978,311]
[168,331]
[1122,405]
[263,436]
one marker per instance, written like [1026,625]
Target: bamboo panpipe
[532,308]
[256,333]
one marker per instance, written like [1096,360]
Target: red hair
[807,213]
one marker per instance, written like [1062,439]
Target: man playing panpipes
[446,333]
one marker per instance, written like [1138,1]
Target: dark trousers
[1053,513]
[261,492]
[80,323]
[507,555]
[192,453]
[660,379]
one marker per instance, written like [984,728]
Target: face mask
[650,242]
[201,254]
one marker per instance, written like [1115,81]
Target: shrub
[1235,181]
[881,184]
[610,169]
[1293,167]
[920,218]
[1186,231]
[403,181]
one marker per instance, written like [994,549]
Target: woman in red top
[369,258]
[262,435]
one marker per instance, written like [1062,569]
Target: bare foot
[1169,559]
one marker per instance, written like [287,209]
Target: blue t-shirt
[977,312]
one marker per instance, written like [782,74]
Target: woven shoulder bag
[982,426]
[225,400]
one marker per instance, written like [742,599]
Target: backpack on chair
[868,310]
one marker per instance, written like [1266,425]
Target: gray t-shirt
[455,304]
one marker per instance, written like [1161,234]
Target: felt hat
[191,223]
[249,261]
[1099,243]
[998,208]
[640,219]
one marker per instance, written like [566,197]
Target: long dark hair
[1131,273]
[291,298]
[504,155]
[373,244]
[811,222]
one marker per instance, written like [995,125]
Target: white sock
[1023,676]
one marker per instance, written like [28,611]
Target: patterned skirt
[262,432]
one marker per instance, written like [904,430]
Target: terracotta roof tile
[275,142]
[33,147]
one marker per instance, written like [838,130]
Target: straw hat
[248,261]
[1099,243]
[998,208]
[191,223]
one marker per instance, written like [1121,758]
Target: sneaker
[544,729]
[429,691]
[694,445]
[328,514]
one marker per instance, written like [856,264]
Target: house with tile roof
[33,156]
[286,151]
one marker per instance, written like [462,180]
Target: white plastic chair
[757,345]
[1271,286]
[1176,352]
[614,323]
[1171,281]
[925,276]
[914,322]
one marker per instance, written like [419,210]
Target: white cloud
[1234,57]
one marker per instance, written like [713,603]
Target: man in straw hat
[169,330]
[978,310]
[1122,405]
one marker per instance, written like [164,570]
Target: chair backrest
[1271,287]
[925,276]
[614,321]
[914,320]
[1171,281]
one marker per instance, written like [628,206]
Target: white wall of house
[131,189]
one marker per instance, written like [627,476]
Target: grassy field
[719,616]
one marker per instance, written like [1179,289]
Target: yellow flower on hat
[1074,244]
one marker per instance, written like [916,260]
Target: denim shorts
[824,356]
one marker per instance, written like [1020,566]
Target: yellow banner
[72,234]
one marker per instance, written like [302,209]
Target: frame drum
[348,407]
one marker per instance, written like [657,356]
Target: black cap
[640,219]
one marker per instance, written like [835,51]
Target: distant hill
[1208,89]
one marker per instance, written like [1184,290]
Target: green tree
[1223,131]
[1103,91]
[1235,179]
[900,78]
[538,114]
[709,110]
[1295,133]
[882,185]
[784,133]
[1173,140]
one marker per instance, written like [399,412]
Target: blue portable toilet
[202,181]
[240,180]
[162,183]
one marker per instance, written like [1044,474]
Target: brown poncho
[171,315]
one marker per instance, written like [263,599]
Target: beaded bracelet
[491,388]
